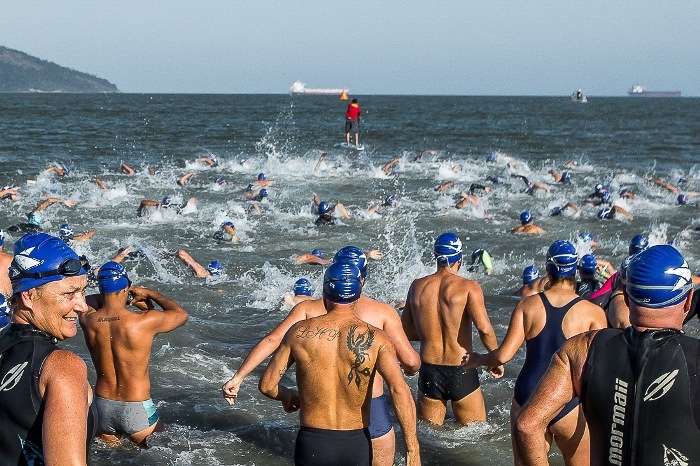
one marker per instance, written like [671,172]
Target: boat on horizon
[299,87]
[639,91]
[579,96]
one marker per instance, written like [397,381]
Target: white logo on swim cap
[25,262]
[683,272]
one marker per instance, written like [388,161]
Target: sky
[485,47]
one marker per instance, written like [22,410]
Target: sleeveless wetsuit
[587,286]
[23,350]
[641,397]
[539,352]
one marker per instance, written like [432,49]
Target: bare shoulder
[64,367]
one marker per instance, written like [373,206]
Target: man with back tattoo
[337,357]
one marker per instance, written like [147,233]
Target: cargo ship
[639,91]
[300,88]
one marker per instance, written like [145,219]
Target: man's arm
[63,385]
[169,318]
[559,385]
[402,400]
[477,310]
[408,357]
[270,385]
[261,351]
[509,346]
[409,327]
[198,269]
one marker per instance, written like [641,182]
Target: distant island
[20,72]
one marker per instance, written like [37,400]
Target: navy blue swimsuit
[539,352]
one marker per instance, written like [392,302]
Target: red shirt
[353,112]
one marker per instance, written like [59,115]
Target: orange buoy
[343,95]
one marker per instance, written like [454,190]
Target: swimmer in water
[563,177]
[533,283]
[212,162]
[326,210]
[558,210]
[9,192]
[387,167]
[35,217]
[226,232]
[315,257]
[65,232]
[527,225]
[127,170]
[390,201]
[531,187]
[183,179]
[481,257]
[610,212]
[147,205]
[263,181]
[213,269]
[58,169]
[301,291]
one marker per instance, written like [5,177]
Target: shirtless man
[302,291]
[120,342]
[380,315]
[440,309]
[335,410]
[527,225]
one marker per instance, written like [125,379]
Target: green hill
[20,72]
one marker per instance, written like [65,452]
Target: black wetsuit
[539,352]
[24,228]
[587,286]
[325,219]
[641,397]
[24,350]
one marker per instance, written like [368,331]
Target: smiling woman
[52,418]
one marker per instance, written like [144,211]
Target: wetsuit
[587,286]
[326,219]
[539,352]
[641,397]
[24,350]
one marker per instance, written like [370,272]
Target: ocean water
[618,141]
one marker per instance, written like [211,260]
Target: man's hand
[230,390]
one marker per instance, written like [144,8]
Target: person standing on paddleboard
[352,122]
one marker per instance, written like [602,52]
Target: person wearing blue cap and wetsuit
[337,357]
[440,310]
[326,210]
[588,283]
[120,343]
[226,232]
[45,397]
[637,385]
[544,321]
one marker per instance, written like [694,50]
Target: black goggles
[69,268]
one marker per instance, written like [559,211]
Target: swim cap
[561,259]
[588,264]
[40,258]
[491,157]
[35,219]
[342,283]
[638,244]
[682,199]
[598,188]
[112,277]
[355,256]
[682,180]
[250,187]
[566,177]
[525,218]
[476,254]
[623,267]
[658,277]
[263,192]
[604,213]
[318,253]
[586,236]
[530,274]
[220,181]
[448,249]
[4,312]
[324,208]
[303,287]
[166,201]
[65,232]
[261,177]
[2,236]
[623,191]
[215,268]
[391,200]
[227,223]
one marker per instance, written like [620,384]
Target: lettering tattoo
[359,345]
[107,319]
[329,334]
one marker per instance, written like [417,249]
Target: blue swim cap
[588,264]
[658,277]
[638,244]
[342,283]
[448,249]
[263,192]
[324,208]
[566,177]
[353,255]
[623,191]
[491,157]
[2,236]
[35,219]
[4,312]
[220,181]
[391,200]
[604,212]
[682,199]
[215,268]
[525,218]
[166,201]
[318,253]
[303,287]
[261,177]
[682,180]
[250,187]
[561,259]
[41,258]
[112,277]
[476,254]
[227,223]
[530,274]
[599,188]
[586,236]
[65,232]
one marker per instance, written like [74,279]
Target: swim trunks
[324,447]
[446,382]
[351,126]
[124,417]
[379,417]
